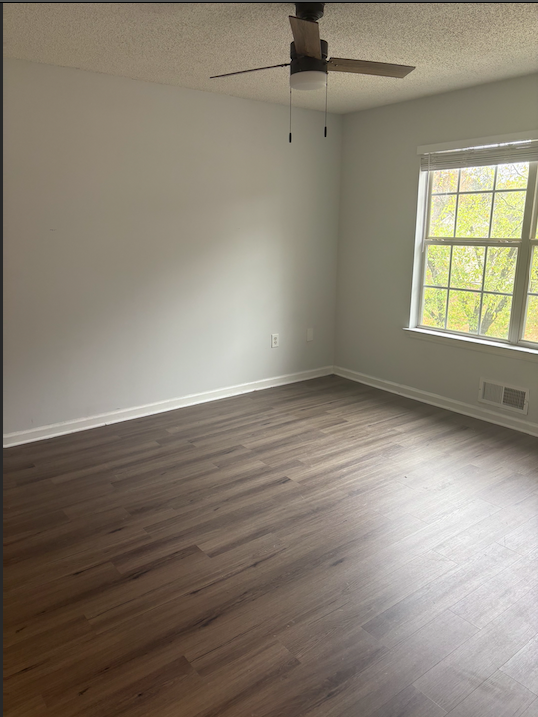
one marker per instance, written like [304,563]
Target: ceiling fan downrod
[312,11]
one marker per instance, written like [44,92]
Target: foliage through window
[480,251]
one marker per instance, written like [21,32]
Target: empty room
[270,360]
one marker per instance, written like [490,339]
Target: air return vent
[510,397]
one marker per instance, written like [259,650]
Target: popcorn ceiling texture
[453,45]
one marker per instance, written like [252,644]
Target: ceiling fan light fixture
[309,55]
[308,80]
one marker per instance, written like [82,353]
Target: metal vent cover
[498,394]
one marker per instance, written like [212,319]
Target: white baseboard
[104,419]
[434,399]
[128,414]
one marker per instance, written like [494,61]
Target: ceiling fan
[310,62]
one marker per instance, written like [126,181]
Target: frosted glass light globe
[308,80]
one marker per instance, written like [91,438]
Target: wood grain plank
[459,674]
[317,549]
[499,696]
[500,592]
[523,666]
[409,614]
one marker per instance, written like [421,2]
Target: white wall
[377,237]
[154,238]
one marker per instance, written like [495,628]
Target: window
[479,259]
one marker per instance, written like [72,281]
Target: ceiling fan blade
[363,67]
[306,37]
[256,69]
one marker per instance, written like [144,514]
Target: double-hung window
[479,258]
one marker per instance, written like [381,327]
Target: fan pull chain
[326,101]
[290,114]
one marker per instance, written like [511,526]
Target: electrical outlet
[274,341]
[310,334]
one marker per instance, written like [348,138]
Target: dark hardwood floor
[322,549]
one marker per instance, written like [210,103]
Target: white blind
[509,153]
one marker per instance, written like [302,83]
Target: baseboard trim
[104,419]
[434,399]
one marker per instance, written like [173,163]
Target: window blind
[509,153]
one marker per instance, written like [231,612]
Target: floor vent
[510,397]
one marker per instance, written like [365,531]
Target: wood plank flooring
[322,549]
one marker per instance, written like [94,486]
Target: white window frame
[521,281]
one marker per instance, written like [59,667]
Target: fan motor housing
[312,11]
[301,63]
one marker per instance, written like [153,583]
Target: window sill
[466,342]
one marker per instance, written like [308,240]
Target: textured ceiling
[452,45]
